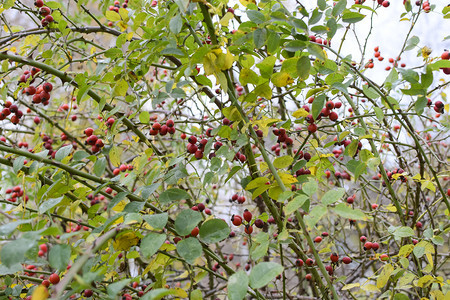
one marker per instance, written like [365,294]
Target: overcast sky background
[389,33]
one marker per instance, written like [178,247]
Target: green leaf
[403,232]
[259,37]
[8,228]
[310,187]
[117,198]
[113,53]
[420,104]
[49,204]
[316,50]
[186,221]
[303,67]
[173,194]
[233,171]
[247,76]
[266,66]
[412,43]
[317,106]
[157,294]
[63,152]
[349,213]
[175,24]
[189,249]
[273,42]
[151,243]
[263,273]
[18,164]
[14,252]
[157,221]
[100,166]
[350,150]
[237,285]
[333,196]
[213,231]
[294,46]
[352,17]
[438,240]
[59,256]
[379,113]
[339,8]
[283,162]
[260,245]
[314,216]
[295,204]
[115,288]
[370,92]
[120,88]
[356,167]
[256,16]
[144,117]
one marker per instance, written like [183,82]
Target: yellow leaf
[180,293]
[424,280]
[370,288]
[120,206]
[349,286]
[281,79]
[114,155]
[226,18]
[40,293]
[438,295]
[300,113]
[247,2]
[263,124]
[426,52]
[209,63]
[384,276]
[405,250]
[224,60]
[287,178]
[125,241]
[391,208]
[123,26]
[429,258]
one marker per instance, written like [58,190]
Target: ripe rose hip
[54,278]
[346,260]
[375,246]
[236,220]
[299,263]
[334,257]
[247,215]
[367,246]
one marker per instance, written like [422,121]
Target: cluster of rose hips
[15,193]
[45,12]
[92,140]
[446,56]
[318,40]
[247,217]
[237,198]
[201,208]
[8,109]
[116,8]
[369,245]
[327,111]
[169,127]
[196,148]
[425,5]
[116,5]
[74,227]
[95,199]
[122,168]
